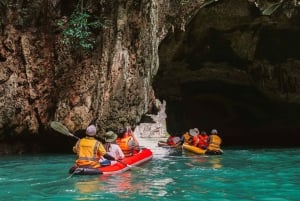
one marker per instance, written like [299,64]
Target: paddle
[64,130]
[125,164]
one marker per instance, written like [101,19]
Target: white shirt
[115,151]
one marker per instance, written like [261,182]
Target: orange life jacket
[187,138]
[124,144]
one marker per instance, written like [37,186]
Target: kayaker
[89,150]
[214,142]
[111,147]
[174,140]
[127,141]
[195,136]
[188,136]
[203,140]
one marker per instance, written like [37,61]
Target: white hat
[91,130]
[214,131]
[194,131]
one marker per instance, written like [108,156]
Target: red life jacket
[203,141]
[173,140]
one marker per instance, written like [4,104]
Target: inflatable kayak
[123,165]
[198,150]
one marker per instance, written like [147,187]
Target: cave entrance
[207,85]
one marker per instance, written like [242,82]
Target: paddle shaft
[62,129]
[125,163]
[72,135]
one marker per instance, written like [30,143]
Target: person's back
[127,141]
[203,140]
[111,147]
[195,136]
[89,150]
[214,141]
[187,138]
[173,140]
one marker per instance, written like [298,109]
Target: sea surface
[241,174]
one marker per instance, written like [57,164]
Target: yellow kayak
[198,150]
[193,149]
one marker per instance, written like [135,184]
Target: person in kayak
[188,137]
[174,140]
[127,141]
[112,148]
[201,140]
[89,150]
[214,143]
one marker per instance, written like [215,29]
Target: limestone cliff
[43,79]
[192,43]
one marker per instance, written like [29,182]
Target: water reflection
[88,186]
[119,183]
[106,183]
[203,161]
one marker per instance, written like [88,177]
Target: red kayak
[127,163]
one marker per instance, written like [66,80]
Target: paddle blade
[59,128]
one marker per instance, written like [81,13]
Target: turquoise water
[238,175]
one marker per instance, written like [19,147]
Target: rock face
[236,70]
[42,79]
[227,48]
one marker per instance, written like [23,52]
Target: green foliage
[78,31]
[271,8]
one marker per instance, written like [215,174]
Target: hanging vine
[77,30]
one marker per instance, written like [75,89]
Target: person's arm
[120,152]
[136,142]
[109,157]
[103,153]
[130,133]
[75,147]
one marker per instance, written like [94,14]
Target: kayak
[164,144]
[198,150]
[123,165]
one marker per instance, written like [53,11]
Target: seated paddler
[89,150]
[214,143]
[127,141]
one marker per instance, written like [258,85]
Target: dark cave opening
[277,46]
[243,116]
[195,79]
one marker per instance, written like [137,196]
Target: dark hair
[121,132]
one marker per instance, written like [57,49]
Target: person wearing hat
[201,141]
[189,136]
[195,136]
[111,147]
[174,140]
[214,142]
[89,150]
